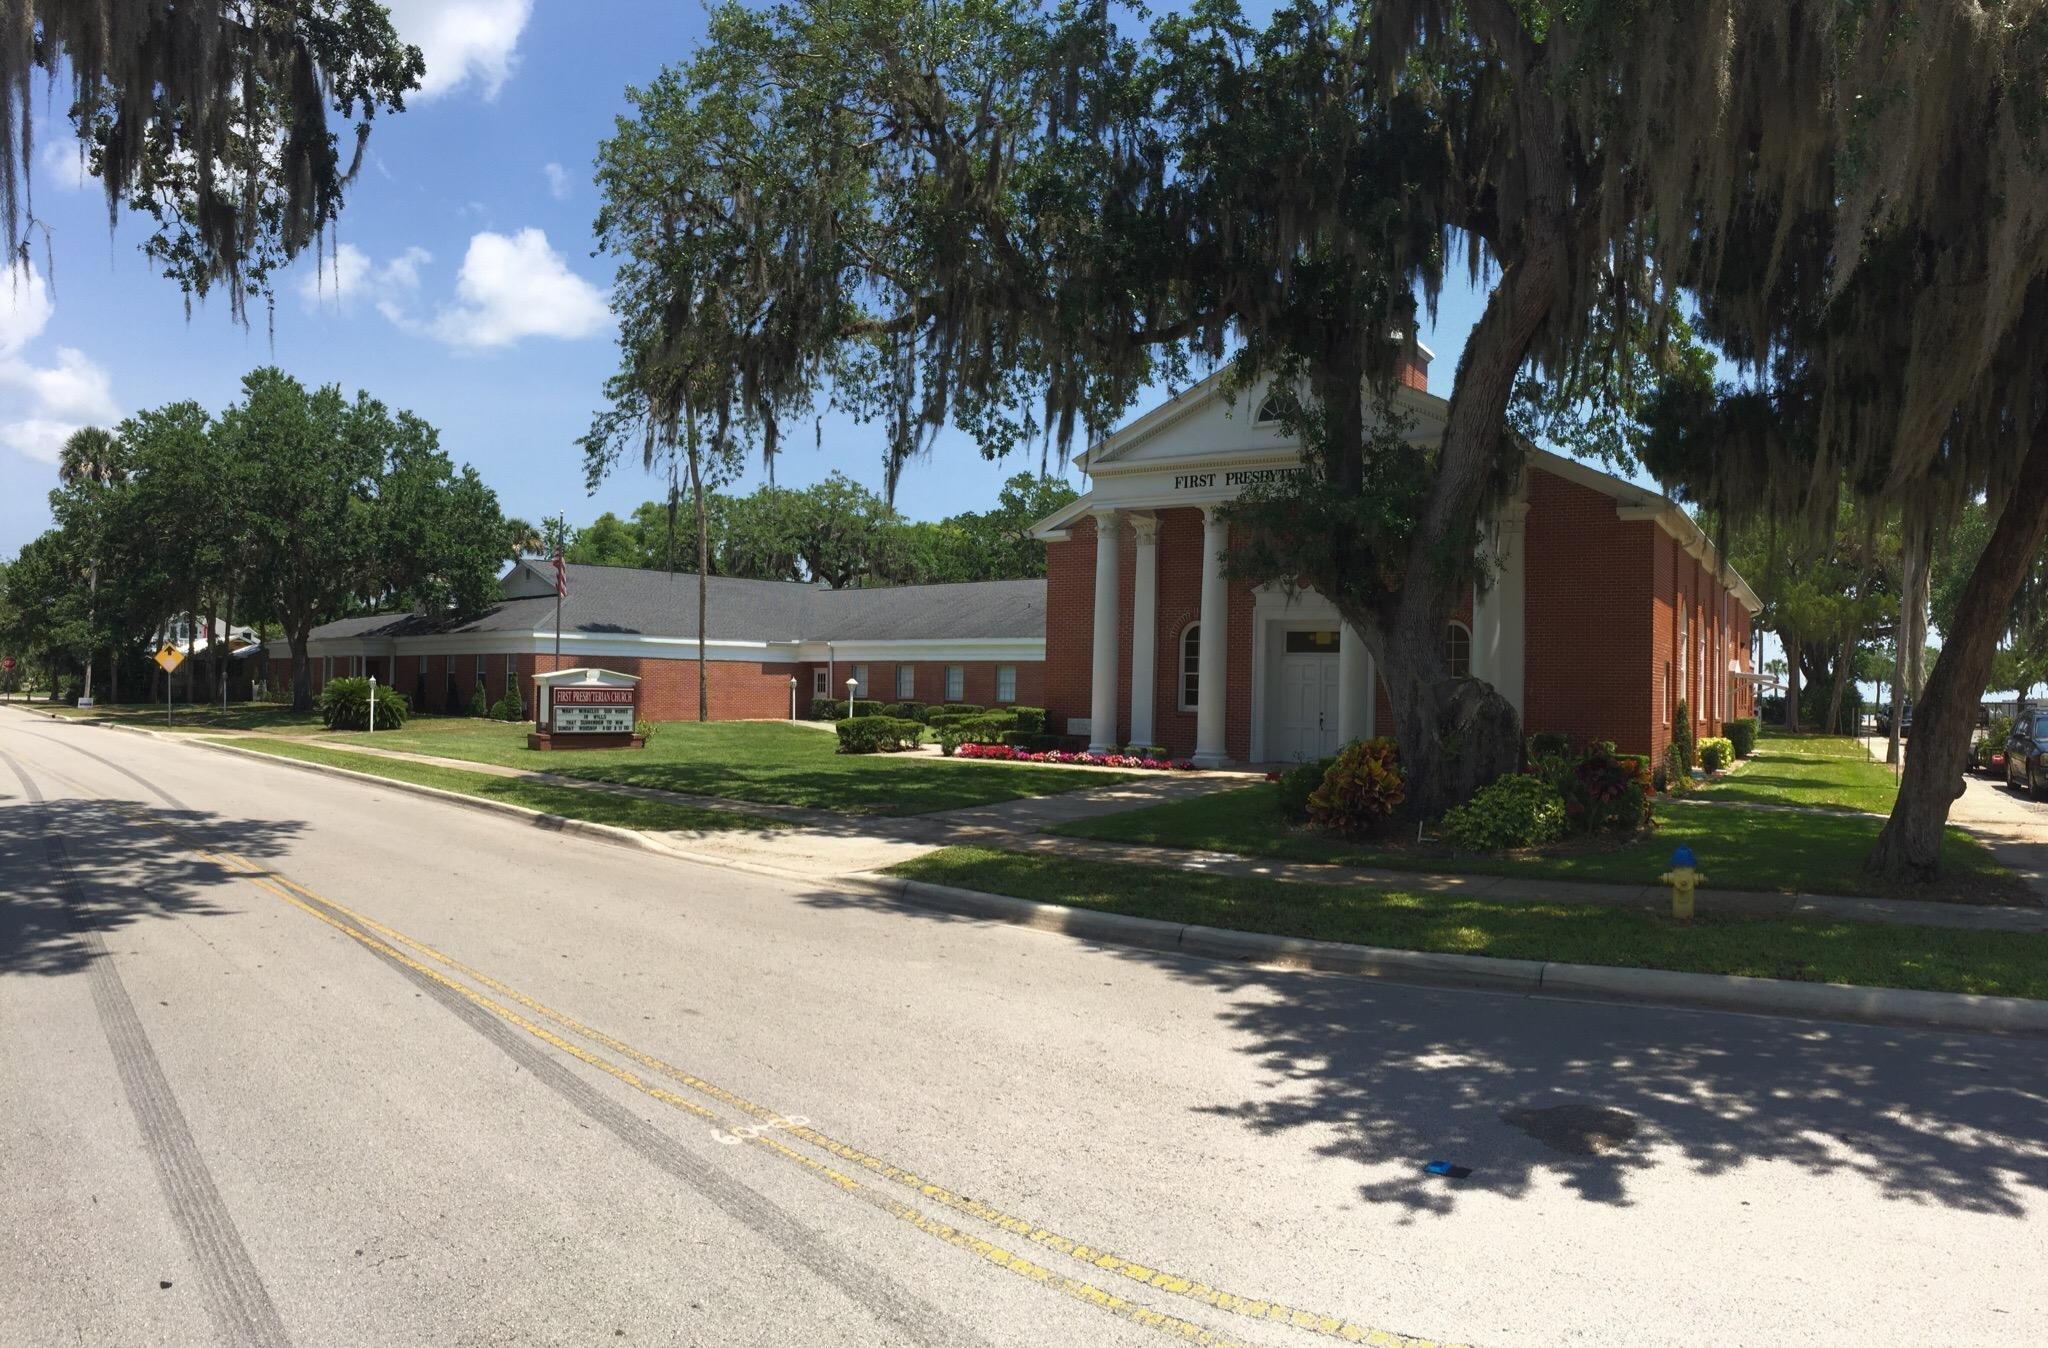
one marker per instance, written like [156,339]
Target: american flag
[561,577]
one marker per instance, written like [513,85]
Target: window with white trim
[821,685]
[1190,666]
[956,683]
[1684,642]
[859,674]
[480,675]
[423,666]
[512,676]
[906,682]
[1458,650]
[1006,683]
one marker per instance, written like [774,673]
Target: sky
[461,283]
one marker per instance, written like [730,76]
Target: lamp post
[792,697]
[851,684]
[373,704]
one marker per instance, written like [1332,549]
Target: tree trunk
[1792,644]
[1945,715]
[1891,747]
[302,670]
[703,565]
[92,602]
[1841,688]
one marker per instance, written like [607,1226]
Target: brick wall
[1591,661]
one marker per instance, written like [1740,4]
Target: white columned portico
[1144,626]
[1500,613]
[1355,683]
[1102,681]
[1212,674]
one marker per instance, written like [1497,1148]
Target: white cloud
[41,405]
[464,41]
[516,286]
[25,308]
[558,181]
[63,163]
[350,277]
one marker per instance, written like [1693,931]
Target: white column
[1354,687]
[1102,683]
[1212,673]
[1500,613]
[1144,626]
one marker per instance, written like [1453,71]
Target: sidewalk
[824,844]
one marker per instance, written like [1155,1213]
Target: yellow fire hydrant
[1684,878]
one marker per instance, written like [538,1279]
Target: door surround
[1275,611]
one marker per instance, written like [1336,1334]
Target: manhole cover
[1576,1130]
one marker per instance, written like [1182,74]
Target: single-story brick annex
[982,643]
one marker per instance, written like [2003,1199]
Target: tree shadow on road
[1526,1091]
[120,872]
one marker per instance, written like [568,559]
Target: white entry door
[1308,707]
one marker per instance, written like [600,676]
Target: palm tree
[91,461]
[522,539]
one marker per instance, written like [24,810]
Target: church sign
[1236,479]
[586,709]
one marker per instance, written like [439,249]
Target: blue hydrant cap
[1683,857]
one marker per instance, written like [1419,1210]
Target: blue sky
[463,287]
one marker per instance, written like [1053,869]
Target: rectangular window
[326,668]
[956,683]
[479,671]
[423,666]
[860,681]
[512,675]
[1006,683]
[1664,691]
[1310,643]
[820,684]
[906,682]
[1191,667]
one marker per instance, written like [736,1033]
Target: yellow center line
[1080,1290]
[1260,1308]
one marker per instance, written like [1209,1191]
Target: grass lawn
[768,761]
[1867,954]
[1830,770]
[266,716]
[598,807]
[1738,848]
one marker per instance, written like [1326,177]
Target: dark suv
[2026,752]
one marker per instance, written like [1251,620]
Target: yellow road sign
[170,657]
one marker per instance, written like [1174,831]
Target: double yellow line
[366,931]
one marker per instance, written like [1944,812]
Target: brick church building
[1610,605]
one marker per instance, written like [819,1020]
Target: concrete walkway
[823,844]
[2012,827]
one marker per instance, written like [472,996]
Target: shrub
[1742,733]
[1297,784]
[1677,776]
[905,711]
[1716,752]
[967,707]
[1513,811]
[479,702]
[1030,720]
[1361,791]
[345,705]
[877,734]
[1144,750]
[1601,789]
[452,702]
[824,709]
[954,731]
[1681,734]
[1549,744]
[508,708]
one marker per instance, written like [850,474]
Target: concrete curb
[1653,987]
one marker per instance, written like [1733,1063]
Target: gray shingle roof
[623,601]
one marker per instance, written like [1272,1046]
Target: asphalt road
[285,1059]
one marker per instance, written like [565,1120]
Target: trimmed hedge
[907,711]
[1742,732]
[828,709]
[1716,752]
[1297,784]
[878,734]
[1030,720]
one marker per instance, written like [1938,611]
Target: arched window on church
[1458,650]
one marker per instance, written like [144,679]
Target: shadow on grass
[1530,1092]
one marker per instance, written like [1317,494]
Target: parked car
[1883,722]
[2026,752]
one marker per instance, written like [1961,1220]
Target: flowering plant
[1009,753]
